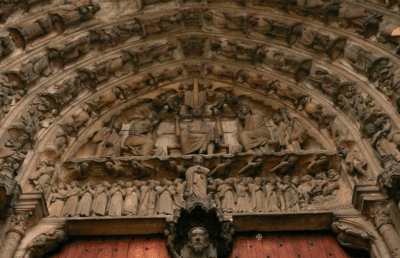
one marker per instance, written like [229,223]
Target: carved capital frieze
[380,214]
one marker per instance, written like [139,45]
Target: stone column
[14,234]
[380,215]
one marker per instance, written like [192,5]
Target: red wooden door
[271,245]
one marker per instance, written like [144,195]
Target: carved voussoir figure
[6,46]
[365,20]
[323,43]
[238,51]
[166,23]
[326,10]
[25,33]
[279,29]
[386,34]
[65,19]
[103,71]
[71,51]
[299,68]
[148,54]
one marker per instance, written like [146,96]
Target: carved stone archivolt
[200,111]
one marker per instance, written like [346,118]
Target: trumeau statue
[196,178]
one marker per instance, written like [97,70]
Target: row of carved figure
[146,198]
[194,45]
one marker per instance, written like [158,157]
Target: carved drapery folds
[266,184]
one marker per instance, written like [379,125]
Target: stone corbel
[42,238]
[357,232]
[349,237]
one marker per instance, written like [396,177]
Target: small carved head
[245,109]
[306,178]
[198,160]
[177,181]
[277,118]
[197,112]
[85,166]
[259,162]
[272,180]
[292,160]
[117,125]
[286,179]
[296,180]
[332,173]
[121,183]
[370,129]
[74,184]
[109,165]
[173,164]
[336,227]
[198,239]
[320,176]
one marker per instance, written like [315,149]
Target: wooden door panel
[271,245]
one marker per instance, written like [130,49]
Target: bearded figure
[198,245]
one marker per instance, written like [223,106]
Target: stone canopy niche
[199,230]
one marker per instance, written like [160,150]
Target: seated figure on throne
[253,133]
[199,137]
[142,136]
